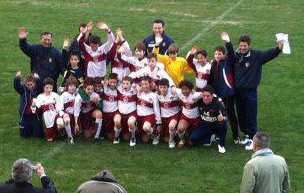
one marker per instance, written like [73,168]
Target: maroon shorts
[142,119]
[52,133]
[165,124]
[87,123]
[108,122]
[193,123]
[124,121]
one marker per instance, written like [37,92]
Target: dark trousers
[204,131]
[247,105]
[30,126]
[230,104]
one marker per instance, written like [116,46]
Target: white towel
[284,37]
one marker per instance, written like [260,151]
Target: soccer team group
[108,92]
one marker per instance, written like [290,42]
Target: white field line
[206,28]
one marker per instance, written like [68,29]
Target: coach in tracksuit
[158,38]
[46,61]
[247,76]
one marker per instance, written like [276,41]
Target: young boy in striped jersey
[67,99]
[127,97]
[48,104]
[197,60]
[95,54]
[189,118]
[169,111]
[153,71]
[85,111]
[111,116]
[148,112]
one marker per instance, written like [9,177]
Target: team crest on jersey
[50,60]
[166,105]
[111,98]
[125,99]
[247,64]
[164,44]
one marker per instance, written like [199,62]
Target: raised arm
[266,56]
[106,47]
[23,44]
[18,86]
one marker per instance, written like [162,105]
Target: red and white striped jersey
[126,100]
[147,104]
[84,106]
[109,100]
[189,103]
[67,100]
[50,106]
[96,60]
[155,74]
[202,72]
[169,104]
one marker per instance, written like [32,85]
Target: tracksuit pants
[204,131]
[247,105]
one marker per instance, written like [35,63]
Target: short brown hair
[88,82]
[71,81]
[173,49]
[140,46]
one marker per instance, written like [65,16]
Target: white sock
[98,123]
[68,130]
[117,132]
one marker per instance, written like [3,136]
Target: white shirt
[50,106]
[109,100]
[98,68]
[156,74]
[84,106]
[67,100]
[126,100]
[202,74]
[189,103]
[169,104]
[148,105]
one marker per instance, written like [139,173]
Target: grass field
[148,169]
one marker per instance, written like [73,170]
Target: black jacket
[45,61]
[248,67]
[24,187]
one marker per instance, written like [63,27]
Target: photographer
[20,182]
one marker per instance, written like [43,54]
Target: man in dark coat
[46,61]
[22,177]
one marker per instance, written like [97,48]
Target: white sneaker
[155,140]
[236,141]
[172,144]
[245,140]
[221,149]
[71,141]
[249,145]
[116,141]
[132,142]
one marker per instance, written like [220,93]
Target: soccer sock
[181,135]
[117,132]
[132,131]
[68,130]
[172,134]
[98,123]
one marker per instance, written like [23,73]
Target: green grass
[156,169]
